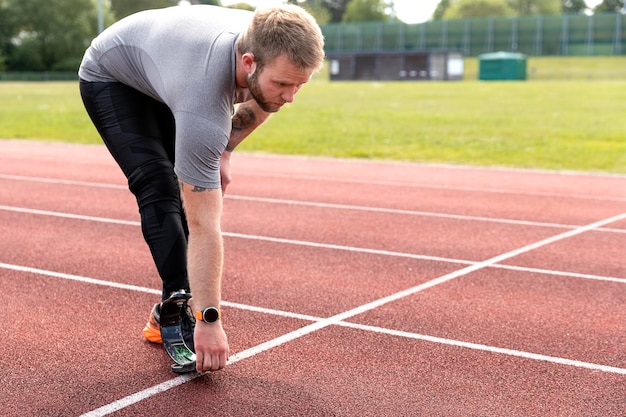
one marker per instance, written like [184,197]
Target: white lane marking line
[436,186]
[265,310]
[398,211]
[79,278]
[561,273]
[324,245]
[346,248]
[486,348]
[341,206]
[140,396]
[332,206]
[69,215]
[62,181]
[130,287]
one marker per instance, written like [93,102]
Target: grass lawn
[575,121]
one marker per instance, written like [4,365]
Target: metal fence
[544,35]
[38,76]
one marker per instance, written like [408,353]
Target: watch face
[210,315]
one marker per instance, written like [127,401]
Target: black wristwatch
[208,315]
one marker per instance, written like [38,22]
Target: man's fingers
[223,360]
[206,363]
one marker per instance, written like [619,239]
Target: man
[160,87]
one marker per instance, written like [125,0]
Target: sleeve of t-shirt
[199,145]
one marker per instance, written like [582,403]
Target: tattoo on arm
[243,119]
[195,188]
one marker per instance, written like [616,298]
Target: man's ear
[247,63]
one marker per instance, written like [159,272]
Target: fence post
[590,35]
[514,34]
[565,36]
[617,48]
[539,36]
[490,34]
[467,39]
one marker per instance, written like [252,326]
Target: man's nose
[289,93]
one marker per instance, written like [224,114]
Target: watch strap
[216,314]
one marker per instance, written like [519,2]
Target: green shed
[502,66]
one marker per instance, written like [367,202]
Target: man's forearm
[205,251]
[205,259]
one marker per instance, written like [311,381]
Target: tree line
[40,35]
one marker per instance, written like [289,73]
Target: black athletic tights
[139,133]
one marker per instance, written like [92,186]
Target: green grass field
[570,115]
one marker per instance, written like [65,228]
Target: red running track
[351,288]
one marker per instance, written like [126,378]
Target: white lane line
[130,287]
[487,348]
[398,211]
[437,186]
[561,273]
[140,396]
[339,180]
[69,215]
[62,181]
[78,278]
[325,245]
[334,206]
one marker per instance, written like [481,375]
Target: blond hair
[284,30]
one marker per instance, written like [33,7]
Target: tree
[334,8]
[365,11]
[573,6]
[609,6]
[461,9]
[518,7]
[123,8]
[441,8]
[49,36]
[7,31]
[530,7]
[321,14]
[241,6]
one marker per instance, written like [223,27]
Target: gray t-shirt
[183,56]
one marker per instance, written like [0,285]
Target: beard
[255,91]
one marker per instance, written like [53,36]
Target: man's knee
[154,182]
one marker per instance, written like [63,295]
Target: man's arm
[248,117]
[205,254]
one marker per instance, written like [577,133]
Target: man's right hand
[211,346]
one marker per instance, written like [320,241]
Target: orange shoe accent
[152,330]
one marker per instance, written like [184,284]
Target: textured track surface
[351,288]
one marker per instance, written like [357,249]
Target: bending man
[160,86]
